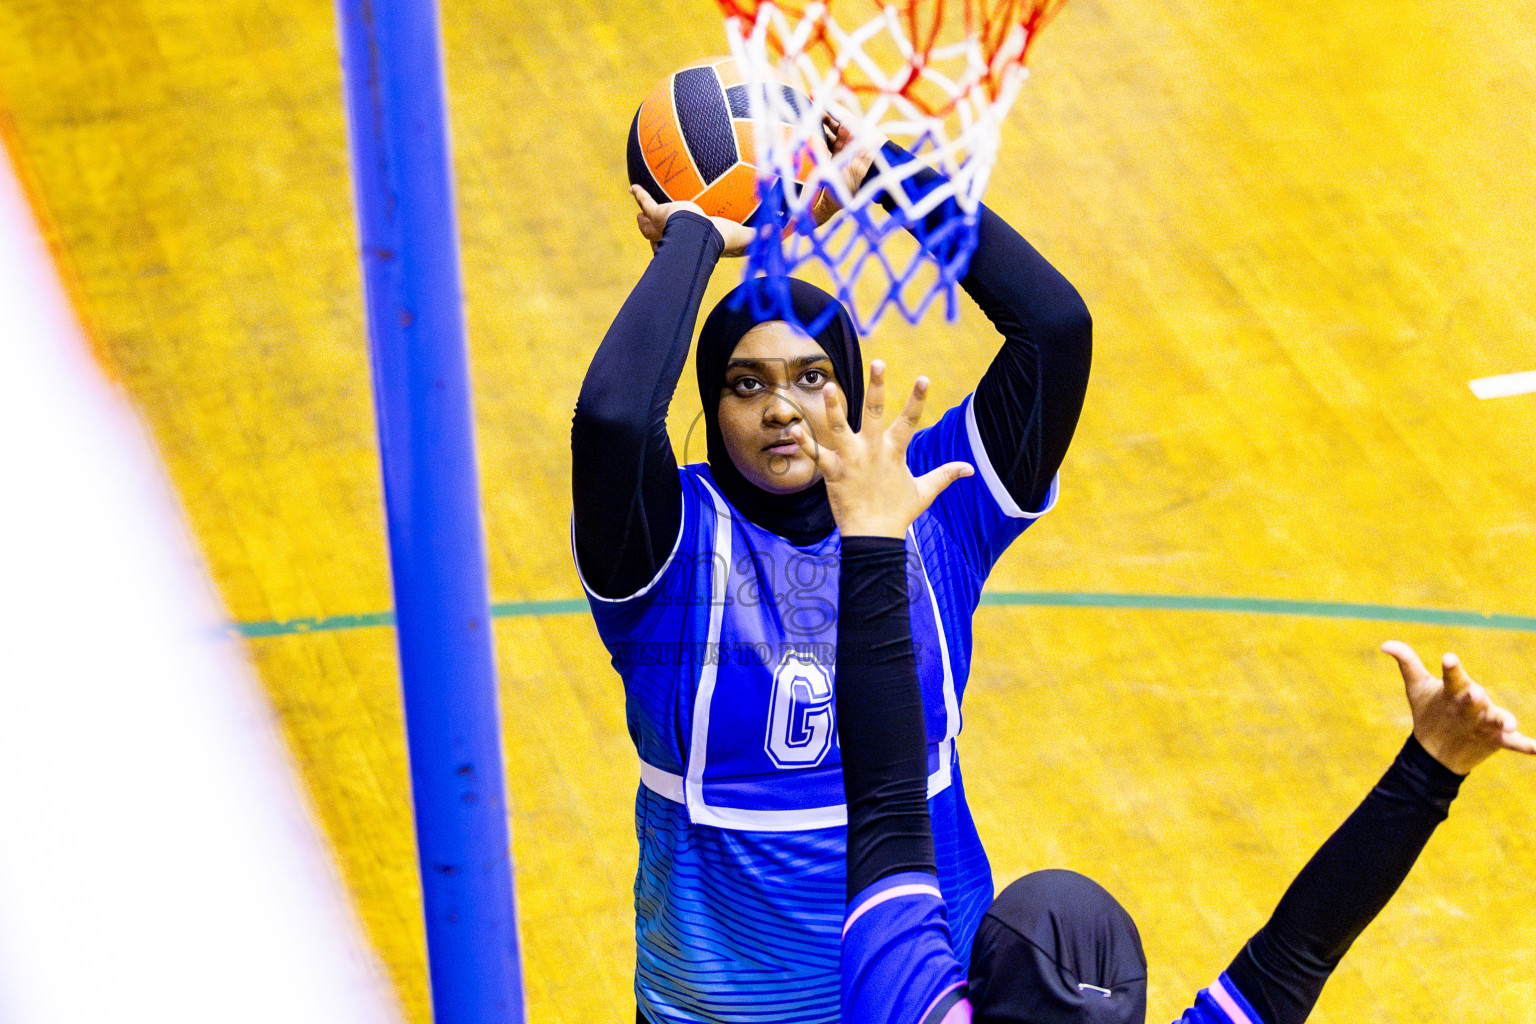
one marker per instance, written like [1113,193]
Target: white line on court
[1504,385]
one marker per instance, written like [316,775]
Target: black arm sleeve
[881,730]
[1028,401]
[1282,969]
[625,490]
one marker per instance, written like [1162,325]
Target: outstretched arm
[881,730]
[898,966]
[625,490]
[1028,402]
[1282,969]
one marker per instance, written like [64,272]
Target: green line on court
[337,623]
[1135,602]
[1268,606]
[333,624]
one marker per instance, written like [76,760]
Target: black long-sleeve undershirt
[1048,337]
[1282,969]
[881,730]
[625,489]
[883,741]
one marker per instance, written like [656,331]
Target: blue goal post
[391,55]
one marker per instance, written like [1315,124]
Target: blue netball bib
[763,740]
[729,666]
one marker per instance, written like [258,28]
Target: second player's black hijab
[804,516]
[1056,948]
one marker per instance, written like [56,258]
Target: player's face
[773,380]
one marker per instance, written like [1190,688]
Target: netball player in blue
[714,588]
[1055,948]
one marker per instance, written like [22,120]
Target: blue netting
[943,94]
[785,241]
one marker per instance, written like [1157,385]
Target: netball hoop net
[935,77]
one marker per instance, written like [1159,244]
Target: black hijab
[1056,948]
[804,516]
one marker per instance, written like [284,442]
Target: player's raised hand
[852,153]
[652,220]
[870,488]
[1453,716]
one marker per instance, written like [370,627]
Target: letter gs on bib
[800,726]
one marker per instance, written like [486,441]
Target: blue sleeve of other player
[1221,1003]
[898,965]
[978,512]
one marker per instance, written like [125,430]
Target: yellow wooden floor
[1300,232]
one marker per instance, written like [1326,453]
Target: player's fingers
[647,204]
[874,397]
[648,229]
[932,483]
[1500,719]
[831,132]
[1518,742]
[905,425]
[808,445]
[837,408]
[1408,662]
[839,120]
[1457,682]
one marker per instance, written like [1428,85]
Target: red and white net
[937,78]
